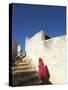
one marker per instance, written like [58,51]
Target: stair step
[23,71]
[35,82]
[20,62]
[21,67]
[22,74]
[23,63]
[26,78]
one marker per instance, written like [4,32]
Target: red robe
[42,71]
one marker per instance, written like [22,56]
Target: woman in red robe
[42,71]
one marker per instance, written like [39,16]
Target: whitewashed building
[53,53]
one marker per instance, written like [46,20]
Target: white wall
[52,51]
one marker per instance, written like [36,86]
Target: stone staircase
[24,73]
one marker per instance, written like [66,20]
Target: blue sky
[29,19]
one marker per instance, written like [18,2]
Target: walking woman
[42,70]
